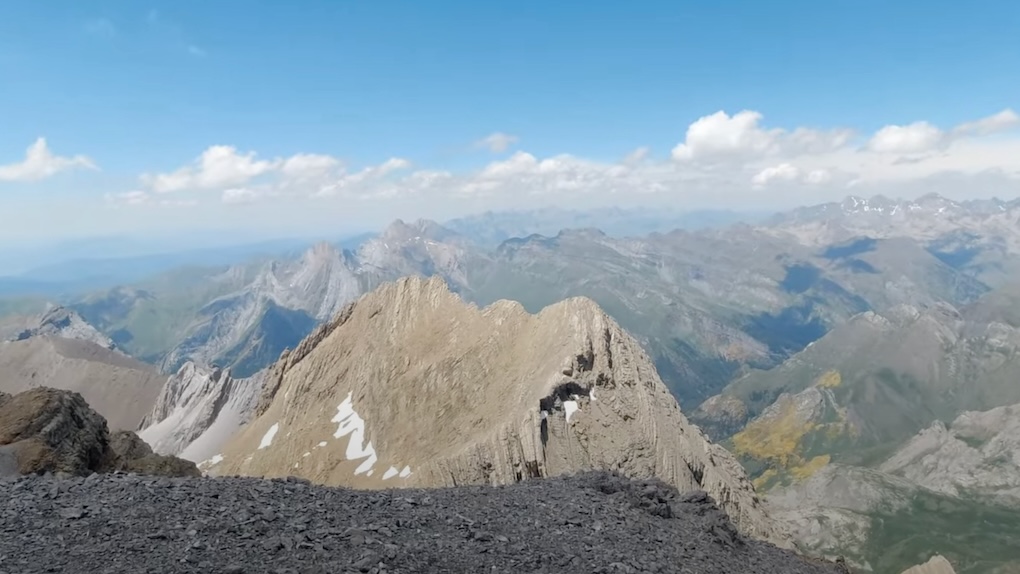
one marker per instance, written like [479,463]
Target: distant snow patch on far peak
[352,424]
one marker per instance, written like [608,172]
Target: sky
[326,116]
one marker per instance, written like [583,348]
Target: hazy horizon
[130,118]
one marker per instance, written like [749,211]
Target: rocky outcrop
[67,324]
[936,565]
[129,453]
[198,410]
[976,454]
[410,386]
[49,430]
[119,388]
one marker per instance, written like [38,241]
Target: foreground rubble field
[591,523]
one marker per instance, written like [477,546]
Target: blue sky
[145,87]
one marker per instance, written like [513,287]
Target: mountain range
[858,358]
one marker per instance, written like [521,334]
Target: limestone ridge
[67,324]
[247,329]
[198,410]
[410,386]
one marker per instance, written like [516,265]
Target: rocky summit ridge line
[411,387]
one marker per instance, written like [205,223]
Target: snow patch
[267,439]
[216,459]
[390,473]
[545,415]
[306,454]
[591,393]
[570,407]
[322,444]
[352,424]
[406,472]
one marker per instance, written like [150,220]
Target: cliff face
[198,410]
[410,386]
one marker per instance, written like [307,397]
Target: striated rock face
[49,430]
[410,386]
[198,410]
[936,565]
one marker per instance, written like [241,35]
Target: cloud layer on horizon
[731,158]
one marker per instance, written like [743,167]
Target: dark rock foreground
[590,523]
[49,430]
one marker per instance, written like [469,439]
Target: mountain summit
[410,386]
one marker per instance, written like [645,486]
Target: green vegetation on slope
[976,537]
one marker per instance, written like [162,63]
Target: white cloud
[789,173]
[720,137]
[724,159]
[1002,121]
[40,163]
[917,137]
[370,181]
[219,166]
[306,165]
[783,171]
[921,136]
[721,134]
[497,142]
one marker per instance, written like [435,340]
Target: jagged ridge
[430,391]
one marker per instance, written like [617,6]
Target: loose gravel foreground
[590,523]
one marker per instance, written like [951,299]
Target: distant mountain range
[841,340]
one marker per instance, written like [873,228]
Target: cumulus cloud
[40,163]
[912,138]
[722,159]
[497,142]
[789,173]
[720,136]
[783,171]
[217,167]
[921,136]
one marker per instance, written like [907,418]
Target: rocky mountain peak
[410,386]
[399,231]
[322,252]
[62,322]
